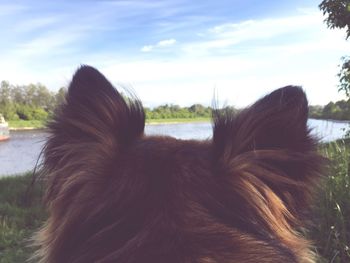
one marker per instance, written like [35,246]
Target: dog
[114,194]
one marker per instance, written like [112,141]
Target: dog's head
[117,195]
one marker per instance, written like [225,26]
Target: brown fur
[116,195]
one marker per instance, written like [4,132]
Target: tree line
[37,102]
[175,111]
[28,102]
[339,110]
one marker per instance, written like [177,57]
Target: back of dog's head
[116,195]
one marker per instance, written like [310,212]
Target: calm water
[20,153]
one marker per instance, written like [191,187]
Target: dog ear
[93,125]
[96,111]
[271,142]
[277,121]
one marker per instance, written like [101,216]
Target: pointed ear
[277,121]
[270,144]
[90,129]
[96,111]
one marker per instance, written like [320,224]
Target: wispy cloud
[160,44]
[48,44]
[259,32]
[35,24]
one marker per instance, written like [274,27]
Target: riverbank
[26,125]
[37,124]
[176,120]
[333,120]
[21,212]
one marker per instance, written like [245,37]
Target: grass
[21,215]
[331,212]
[21,124]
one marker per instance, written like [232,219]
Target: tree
[344,76]
[44,98]
[5,92]
[337,14]
[18,95]
[60,97]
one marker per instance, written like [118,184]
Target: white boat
[4,129]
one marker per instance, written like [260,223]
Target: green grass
[331,212]
[20,124]
[21,213]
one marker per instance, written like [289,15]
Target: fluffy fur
[116,195]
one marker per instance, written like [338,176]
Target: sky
[175,51]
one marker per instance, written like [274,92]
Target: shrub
[39,114]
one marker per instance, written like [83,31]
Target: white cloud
[147,48]
[160,44]
[165,43]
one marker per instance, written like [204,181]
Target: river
[20,153]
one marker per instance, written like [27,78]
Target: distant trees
[175,111]
[36,102]
[339,110]
[28,102]
[60,97]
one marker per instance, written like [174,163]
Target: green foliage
[24,112]
[344,76]
[27,112]
[331,211]
[36,102]
[9,111]
[338,14]
[315,111]
[5,91]
[335,111]
[39,114]
[29,102]
[176,112]
[60,97]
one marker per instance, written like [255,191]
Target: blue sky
[175,51]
